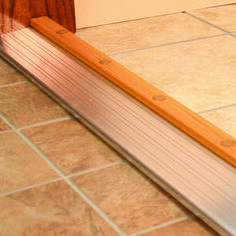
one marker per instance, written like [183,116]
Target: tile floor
[57,178]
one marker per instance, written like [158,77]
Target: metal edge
[117,147]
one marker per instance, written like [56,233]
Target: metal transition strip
[194,125]
[197,177]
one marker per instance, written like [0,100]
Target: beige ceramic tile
[8,74]
[3,126]
[53,209]
[71,146]
[223,16]
[190,227]
[224,119]
[129,198]
[147,32]
[20,166]
[25,105]
[200,74]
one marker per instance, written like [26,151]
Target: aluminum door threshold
[190,172]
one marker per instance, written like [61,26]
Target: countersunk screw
[105,61]
[159,97]
[62,31]
[228,142]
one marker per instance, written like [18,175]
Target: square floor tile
[8,74]
[71,146]
[129,198]
[25,105]
[222,16]
[224,119]
[53,209]
[3,125]
[146,32]
[200,74]
[190,227]
[20,166]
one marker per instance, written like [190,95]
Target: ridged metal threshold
[195,176]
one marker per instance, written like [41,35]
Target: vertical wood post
[16,14]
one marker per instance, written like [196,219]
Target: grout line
[13,84]
[46,122]
[162,225]
[124,21]
[165,44]
[29,187]
[216,108]
[59,179]
[96,208]
[96,169]
[36,149]
[6,131]
[213,25]
[67,180]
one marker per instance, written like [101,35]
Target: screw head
[105,61]
[159,97]
[228,142]
[62,31]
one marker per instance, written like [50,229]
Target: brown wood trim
[192,124]
[16,14]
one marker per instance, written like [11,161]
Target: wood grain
[194,125]
[16,14]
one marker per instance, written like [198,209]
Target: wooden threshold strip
[183,118]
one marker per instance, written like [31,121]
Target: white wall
[98,12]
